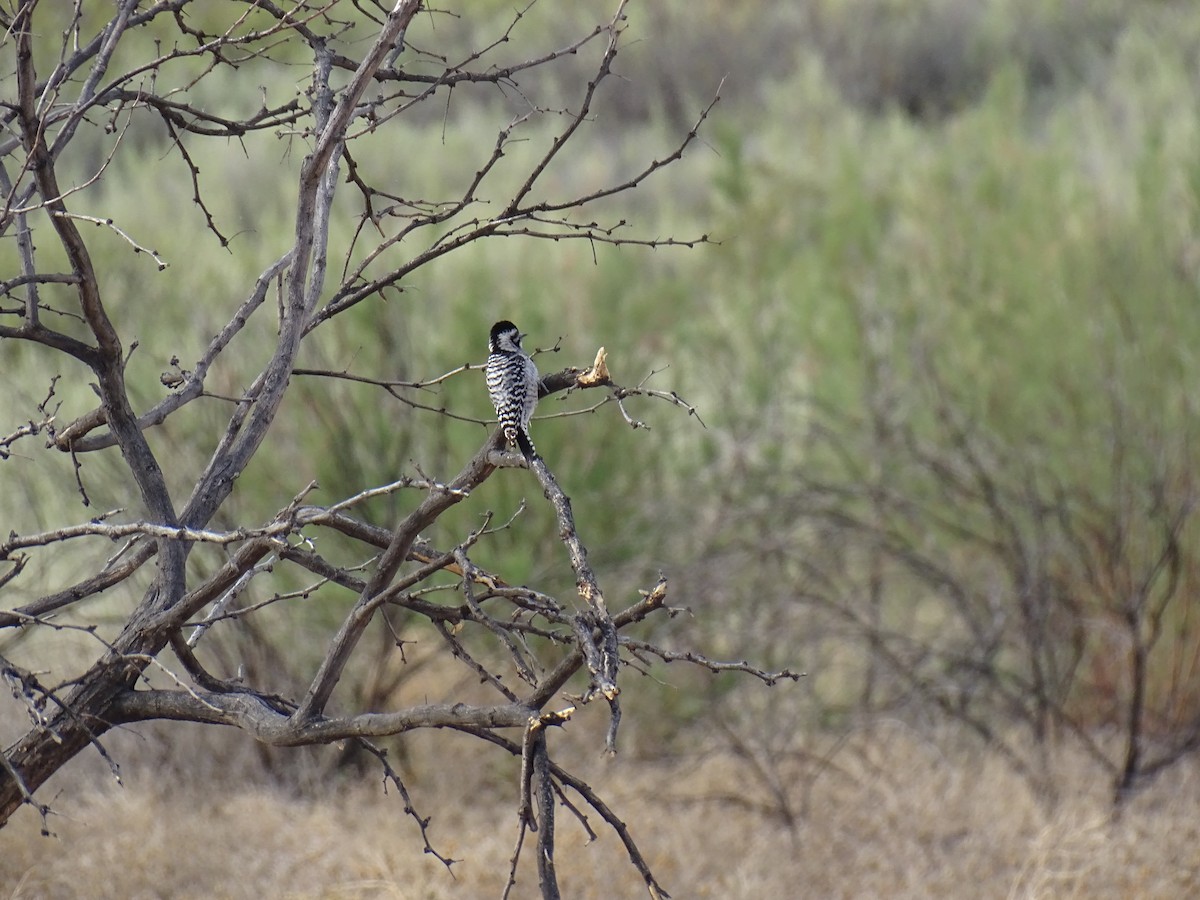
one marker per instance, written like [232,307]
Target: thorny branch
[215,575]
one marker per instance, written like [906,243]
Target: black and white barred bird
[512,381]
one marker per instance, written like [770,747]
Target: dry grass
[886,815]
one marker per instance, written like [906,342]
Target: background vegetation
[944,346]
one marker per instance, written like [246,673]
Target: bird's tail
[525,444]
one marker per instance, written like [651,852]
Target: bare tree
[1031,603]
[79,83]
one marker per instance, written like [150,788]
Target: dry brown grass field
[882,814]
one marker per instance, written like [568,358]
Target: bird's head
[504,338]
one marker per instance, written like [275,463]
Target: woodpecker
[512,381]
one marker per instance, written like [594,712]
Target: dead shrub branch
[153,82]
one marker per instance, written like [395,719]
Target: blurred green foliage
[1005,193]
